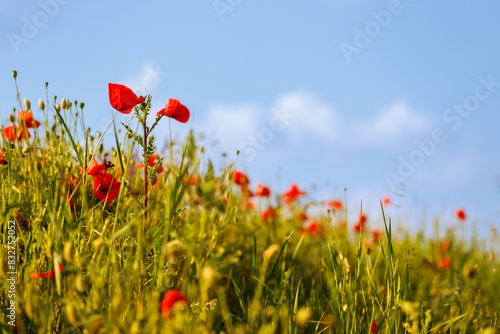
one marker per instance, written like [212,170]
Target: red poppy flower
[11,132]
[313,228]
[445,245]
[21,220]
[301,216]
[250,205]
[293,193]
[151,163]
[335,204]
[106,187]
[123,98]
[374,327]
[4,160]
[360,224]
[460,213]
[95,169]
[386,201]
[171,298]
[240,178]
[262,191]
[268,215]
[377,234]
[51,273]
[444,263]
[176,110]
[27,117]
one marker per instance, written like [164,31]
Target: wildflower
[95,169]
[171,298]
[301,216]
[377,234]
[386,201]
[174,109]
[12,132]
[48,274]
[445,245]
[444,263]
[460,214]
[374,327]
[293,193]
[151,163]
[335,204]
[123,98]
[27,117]
[21,220]
[267,215]
[4,158]
[313,228]
[192,180]
[360,224]
[250,205]
[262,191]
[106,187]
[240,178]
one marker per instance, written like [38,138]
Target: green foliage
[202,239]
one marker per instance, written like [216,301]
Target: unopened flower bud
[27,103]
[58,107]
[69,251]
[12,118]
[202,149]
[64,104]
[41,104]
[82,105]
[27,149]
[14,74]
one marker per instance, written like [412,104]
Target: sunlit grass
[203,238]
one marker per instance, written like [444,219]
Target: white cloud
[230,125]
[390,126]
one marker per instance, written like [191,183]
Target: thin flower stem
[145,214]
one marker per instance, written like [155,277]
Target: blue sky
[329,94]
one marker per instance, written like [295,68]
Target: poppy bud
[41,104]
[69,251]
[12,118]
[14,74]
[72,314]
[58,107]
[82,105]
[202,149]
[64,104]
[27,149]
[154,179]
[46,84]
[303,315]
[27,103]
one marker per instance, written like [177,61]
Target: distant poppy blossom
[51,273]
[151,163]
[313,228]
[386,201]
[262,191]
[176,110]
[377,234]
[373,328]
[106,187]
[444,263]
[293,193]
[360,224]
[460,213]
[122,98]
[335,204]
[301,216]
[27,117]
[15,132]
[21,220]
[240,178]
[268,215]
[192,180]
[4,158]
[171,298]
